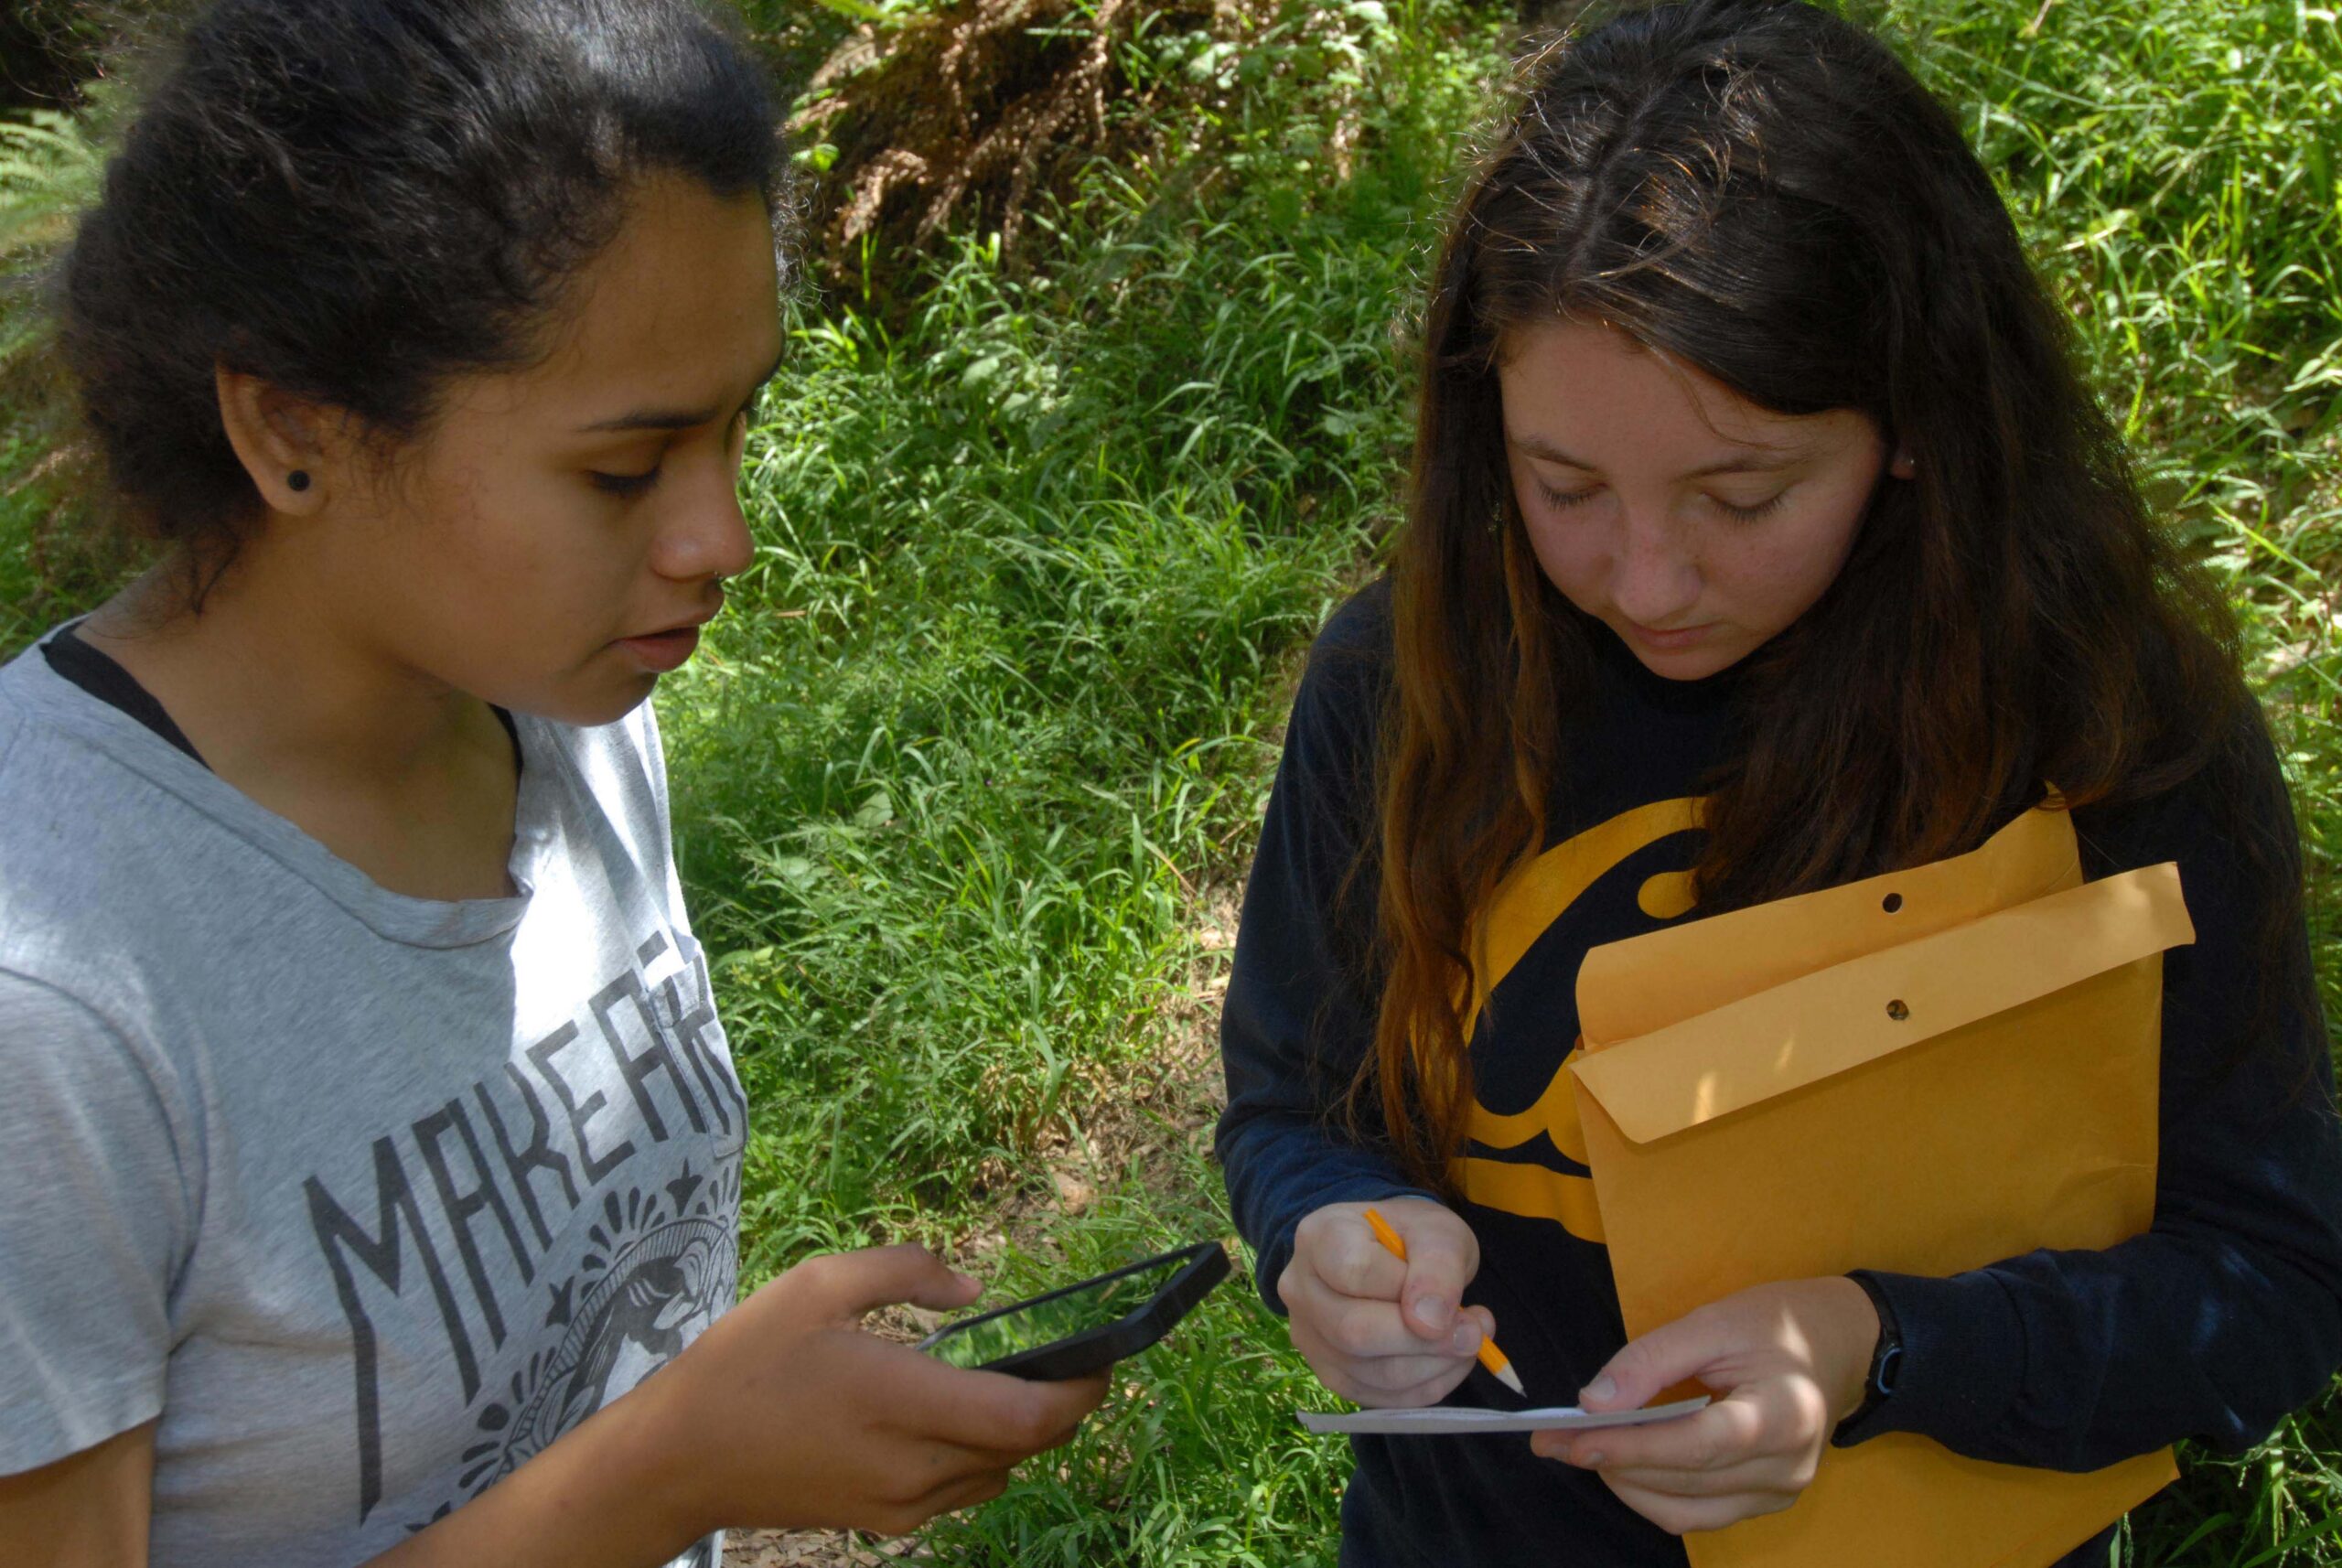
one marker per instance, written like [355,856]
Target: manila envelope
[1919,1073]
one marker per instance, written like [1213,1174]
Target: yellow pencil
[1500,1367]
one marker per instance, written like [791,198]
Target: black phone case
[1095,1349]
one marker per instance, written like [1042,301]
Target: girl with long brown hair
[1761,536]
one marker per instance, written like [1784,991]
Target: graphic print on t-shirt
[588,1192]
[1543,1172]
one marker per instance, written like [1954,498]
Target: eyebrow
[677,418]
[1757,460]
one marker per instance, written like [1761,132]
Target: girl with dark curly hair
[370,1135]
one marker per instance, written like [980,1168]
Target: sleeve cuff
[1963,1364]
[50,1419]
[1276,1250]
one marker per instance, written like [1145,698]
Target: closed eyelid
[1555,496]
[1546,460]
[1754,509]
[1749,460]
[633,447]
[623,484]
[1752,494]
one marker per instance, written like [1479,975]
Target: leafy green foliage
[985,712]
[986,730]
[1195,1462]
[49,167]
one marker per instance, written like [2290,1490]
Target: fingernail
[968,1280]
[1431,1312]
[1602,1388]
[1466,1337]
[1591,1459]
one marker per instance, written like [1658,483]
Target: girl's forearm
[608,1494]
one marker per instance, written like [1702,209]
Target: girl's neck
[406,778]
[262,674]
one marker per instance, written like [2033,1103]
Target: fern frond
[49,168]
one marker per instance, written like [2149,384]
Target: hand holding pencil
[1500,1365]
[1383,1324]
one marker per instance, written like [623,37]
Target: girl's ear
[1902,465]
[280,440]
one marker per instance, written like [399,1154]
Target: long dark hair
[356,200]
[1760,189]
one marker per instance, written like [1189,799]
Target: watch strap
[1886,1364]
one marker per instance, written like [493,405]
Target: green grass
[980,749]
[1042,551]
[988,710]
[1197,1461]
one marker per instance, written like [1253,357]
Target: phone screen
[1044,1322]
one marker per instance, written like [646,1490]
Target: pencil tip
[1511,1380]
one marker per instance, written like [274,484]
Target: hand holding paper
[1790,1360]
[1930,1071]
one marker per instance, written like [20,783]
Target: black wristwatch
[1885,1362]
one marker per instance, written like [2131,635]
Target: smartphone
[1084,1328]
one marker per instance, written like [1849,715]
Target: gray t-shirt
[369,1198]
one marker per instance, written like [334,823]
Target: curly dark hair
[356,201]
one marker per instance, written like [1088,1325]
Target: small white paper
[1449,1420]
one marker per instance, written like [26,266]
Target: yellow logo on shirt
[1525,905]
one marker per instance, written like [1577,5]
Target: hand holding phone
[1087,1327]
[786,1414]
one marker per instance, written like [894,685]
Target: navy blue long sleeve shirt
[2213,1325]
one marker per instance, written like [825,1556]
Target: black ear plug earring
[297,480]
